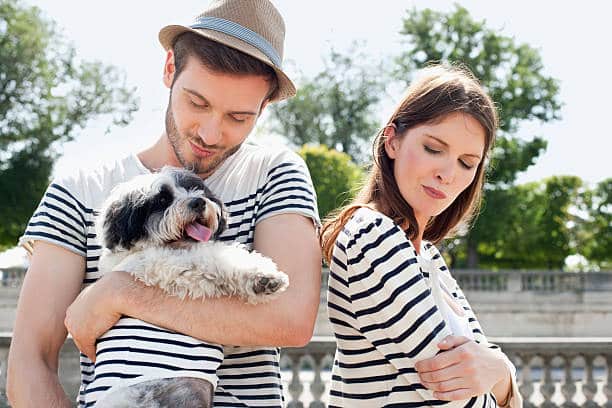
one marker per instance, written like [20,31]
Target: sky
[572,37]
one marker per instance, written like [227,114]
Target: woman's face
[434,163]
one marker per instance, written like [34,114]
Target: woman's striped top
[385,318]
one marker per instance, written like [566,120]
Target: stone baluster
[295,386]
[547,388]
[317,387]
[526,381]
[3,365]
[568,387]
[589,388]
[608,385]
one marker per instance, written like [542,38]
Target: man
[222,71]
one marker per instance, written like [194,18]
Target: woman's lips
[434,193]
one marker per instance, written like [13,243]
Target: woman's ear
[391,141]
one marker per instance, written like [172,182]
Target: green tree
[512,73]
[336,107]
[594,237]
[538,230]
[335,177]
[47,95]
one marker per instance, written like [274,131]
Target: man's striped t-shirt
[385,318]
[254,183]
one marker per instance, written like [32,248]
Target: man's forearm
[35,385]
[286,321]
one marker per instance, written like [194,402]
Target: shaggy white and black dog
[161,228]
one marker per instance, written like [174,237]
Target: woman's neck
[417,244]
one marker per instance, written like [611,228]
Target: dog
[162,229]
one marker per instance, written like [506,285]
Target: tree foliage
[47,95]
[513,74]
[537,231]
[334,108]
[335,177]
[594,229]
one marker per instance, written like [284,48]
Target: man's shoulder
[269,156]
[92,185]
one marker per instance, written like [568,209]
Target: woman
[406,335]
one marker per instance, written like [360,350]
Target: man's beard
[198,166]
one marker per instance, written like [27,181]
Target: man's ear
[169,69]
[391,141]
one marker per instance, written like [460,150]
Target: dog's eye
[164,198]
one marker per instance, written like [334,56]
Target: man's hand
[462,370]
[92,313]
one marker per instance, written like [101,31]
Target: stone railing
[470,280]
[528,281]
[552,372]
[567,372]
[533,281]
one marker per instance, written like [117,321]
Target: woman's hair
[437,92]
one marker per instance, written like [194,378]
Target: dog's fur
[144,228]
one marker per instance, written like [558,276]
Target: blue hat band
[242,33]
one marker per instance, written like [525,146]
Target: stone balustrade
[536,281]
[552,372]
[470,280]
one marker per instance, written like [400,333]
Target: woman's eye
[430,150]
[465,165]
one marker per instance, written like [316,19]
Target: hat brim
[168,34]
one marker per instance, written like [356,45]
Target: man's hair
[220,58]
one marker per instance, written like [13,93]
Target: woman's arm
[391,299]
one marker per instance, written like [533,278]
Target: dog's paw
[264,286]
[267,285]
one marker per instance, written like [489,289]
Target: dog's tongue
[198,232]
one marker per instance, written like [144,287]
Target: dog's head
[172,207]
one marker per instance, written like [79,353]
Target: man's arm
[52,282]
[289,239]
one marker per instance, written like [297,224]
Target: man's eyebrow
[197,95]
[446,145]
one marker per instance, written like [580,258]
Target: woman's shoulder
[367,225]
[368,218]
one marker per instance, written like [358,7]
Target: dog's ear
[222,220]
[221,216]
[124,221]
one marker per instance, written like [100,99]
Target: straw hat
[254,27]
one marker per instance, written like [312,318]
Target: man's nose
[210,132]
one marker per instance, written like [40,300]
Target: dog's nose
[197,204]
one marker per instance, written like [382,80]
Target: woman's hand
[463,370]
[93,312]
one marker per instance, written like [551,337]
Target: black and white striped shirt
[384,317]
[254,184]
